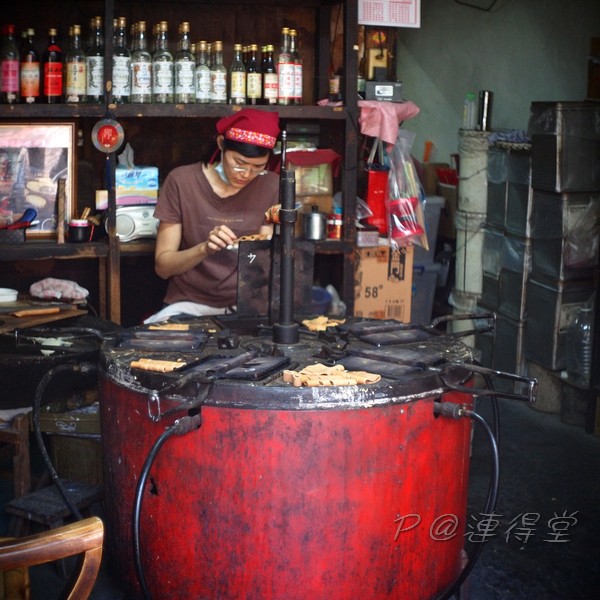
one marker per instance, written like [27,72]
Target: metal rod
[286,331]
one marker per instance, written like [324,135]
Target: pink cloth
[381,119]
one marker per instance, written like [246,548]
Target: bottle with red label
[52,70]
[269,76]
[30,70]
[285,71]
[9,66]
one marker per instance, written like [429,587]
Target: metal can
[334,226]
[485,110]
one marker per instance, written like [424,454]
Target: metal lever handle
[532,383]
[489,317]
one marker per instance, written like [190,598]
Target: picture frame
[34,156]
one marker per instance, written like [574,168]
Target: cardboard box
[56,418]
[313,180]
[314,170]
[383,283]
[447,227]
[367,236]
[138,178]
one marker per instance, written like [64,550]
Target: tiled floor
[548,470]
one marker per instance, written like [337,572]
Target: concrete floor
[548,469]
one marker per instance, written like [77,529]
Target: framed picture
[34,157]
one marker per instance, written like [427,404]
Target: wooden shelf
[48,250]
[71,111]
[24,112]
[231,19]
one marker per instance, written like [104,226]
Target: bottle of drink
[9,67]
[253,77]
[155,38]
[141,68]
[470,111]
[218,76]
[237,77]
[285,70]
[297,66]
[133,37]
[185,68]
[52,68]
[75,69]
[202,74]
[95,63]
[162,68]
[30,70]
[209,55]
[121,84]
[269,75]
[579,347]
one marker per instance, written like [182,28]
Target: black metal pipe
[286,331]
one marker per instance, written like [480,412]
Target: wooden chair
[17,437]
[83,538]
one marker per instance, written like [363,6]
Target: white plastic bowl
[8,295]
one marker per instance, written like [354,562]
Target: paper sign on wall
[390,13]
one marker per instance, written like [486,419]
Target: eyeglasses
[246,169]
[251,170]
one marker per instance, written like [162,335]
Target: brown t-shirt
[186,197]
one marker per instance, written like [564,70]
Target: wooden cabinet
[169,135]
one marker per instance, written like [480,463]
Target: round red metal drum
[289,493]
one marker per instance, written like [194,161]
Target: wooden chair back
[83,539]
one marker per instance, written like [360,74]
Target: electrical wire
[83,368]
[457,411]
[482,8]
[179,427]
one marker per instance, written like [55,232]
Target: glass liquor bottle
[30,70]
[155,38]
[121,84]
[162,68]
[253,77]
[218,76]
[95,63]
[202,74]
[141,68]
[297,59]
[237,77]
[269,76]
[209,55]
[185,68]
[285,71]
[75,69]
[9,67]
[52,70]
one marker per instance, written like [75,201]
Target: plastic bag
[58,289]
[404,205]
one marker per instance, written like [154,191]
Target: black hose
[492,496]
[82,368]
[180,427]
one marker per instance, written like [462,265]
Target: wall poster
[389,13]
[33,158]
